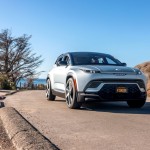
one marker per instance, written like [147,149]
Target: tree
[16,58]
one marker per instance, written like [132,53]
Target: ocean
[22,82]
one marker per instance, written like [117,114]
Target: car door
[59,75]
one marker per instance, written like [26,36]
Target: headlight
[90,71]
[138,72]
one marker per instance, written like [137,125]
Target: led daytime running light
[90,71]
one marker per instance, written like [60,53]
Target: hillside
[145,68]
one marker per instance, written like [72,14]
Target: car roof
[85,53]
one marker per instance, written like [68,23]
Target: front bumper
[107,92]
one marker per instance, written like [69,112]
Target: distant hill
[145,68]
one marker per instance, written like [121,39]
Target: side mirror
[124,64]
[62,63]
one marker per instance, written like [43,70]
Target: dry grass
[145,68]
[148,88]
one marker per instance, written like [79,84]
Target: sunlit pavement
[94,126]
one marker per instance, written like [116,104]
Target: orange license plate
[122,90]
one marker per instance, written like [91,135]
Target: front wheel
[71,95]
[136,103]
[49,93]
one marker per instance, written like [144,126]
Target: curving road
[109,126]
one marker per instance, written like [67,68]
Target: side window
[110,61]
[67,59]
[58,60]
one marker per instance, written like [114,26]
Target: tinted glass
[60,58]
[94,59]
[67,59]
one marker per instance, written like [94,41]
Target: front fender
[80,77]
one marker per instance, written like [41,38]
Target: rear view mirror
[124,64]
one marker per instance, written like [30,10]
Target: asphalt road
[109,126]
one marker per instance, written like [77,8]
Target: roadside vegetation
[17,61]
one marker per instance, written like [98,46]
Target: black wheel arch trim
[70,75]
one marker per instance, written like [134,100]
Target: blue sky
[117,27]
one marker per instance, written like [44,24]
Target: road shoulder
[22,134]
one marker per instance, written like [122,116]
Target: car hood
[109,69]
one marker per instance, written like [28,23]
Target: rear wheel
[49,93]
[71,95]
[136,103]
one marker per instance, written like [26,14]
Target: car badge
[120,74]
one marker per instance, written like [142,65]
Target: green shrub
[5,83]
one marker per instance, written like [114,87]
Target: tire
[71,95]
[136,103]
[49,94]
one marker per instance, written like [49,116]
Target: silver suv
[90,76]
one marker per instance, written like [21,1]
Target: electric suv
[89,76]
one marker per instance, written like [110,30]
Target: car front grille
[139,82]
[108,91]
[96,83]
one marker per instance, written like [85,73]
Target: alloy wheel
[47,89]
[69,92]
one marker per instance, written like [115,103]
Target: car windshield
[83,58]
